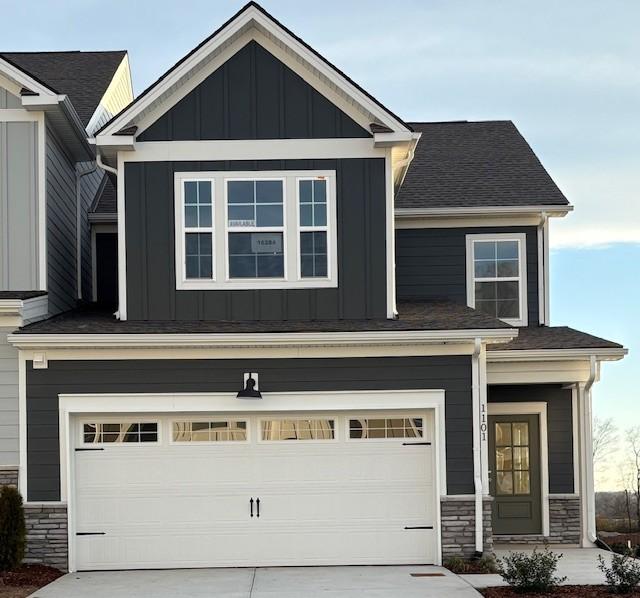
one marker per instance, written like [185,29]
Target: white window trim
[539,409]
[521,238]
[291,235]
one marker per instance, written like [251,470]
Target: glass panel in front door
[513,475]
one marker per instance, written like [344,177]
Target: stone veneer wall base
[457,515]
[46,534]
[9,476]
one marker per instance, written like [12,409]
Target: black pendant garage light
[249,391]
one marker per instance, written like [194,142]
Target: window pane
[303,429]
[240,192]
[521,434]
[521,458]
[256,255]
[320,191]
[121,432]
[507,268]
[205,216]
[306,215]
[507,250]
[198,262]
[521,482]
[269,215]
[306,191]
[503,458]
[504,482]
[218,431]
[242,215]
[508,290]
[191,192]
[485,268]
[269,191]
[190,216]
[385,428]
[503,434]
[508,309]
[313,254]
[320,214]
[204,192]
[486,291]
[484,250]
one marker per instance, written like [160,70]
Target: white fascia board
[482,211]
[391,139]
[602,354]
[11,307]
[278,339]
[114,142]
[252,17]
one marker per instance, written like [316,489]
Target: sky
[567,73]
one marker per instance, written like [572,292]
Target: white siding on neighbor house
[8,100]
[118,95]
[61,227]
[9,444]
[18,205]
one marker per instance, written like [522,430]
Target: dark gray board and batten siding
[559,426]
[451,373]
[253,96]
[431,264]
[150,242]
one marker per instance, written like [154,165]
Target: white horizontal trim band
[400,337]
[603,354]
[475,211]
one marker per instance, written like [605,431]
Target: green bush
[624,573]
[533,572]
[456,564]
[487,564]
[12,528]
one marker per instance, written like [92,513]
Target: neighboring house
[50,104]
[332,343]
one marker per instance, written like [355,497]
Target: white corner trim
[276,339]
[122,242]
[22,424]
[42,202]
[390,241]
[540,409]
[252,23]
[521,239]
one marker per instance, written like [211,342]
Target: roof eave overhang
[65,121]
[479,211]
[256,340]
[601,354]
[103,217]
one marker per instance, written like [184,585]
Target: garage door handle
[251,505]
[258,507]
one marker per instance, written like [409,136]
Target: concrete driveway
[294,582]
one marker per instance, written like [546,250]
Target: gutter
[588,438]
[483,211]
[477,458]
[24,340]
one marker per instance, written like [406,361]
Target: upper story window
[497,276]
[255,230]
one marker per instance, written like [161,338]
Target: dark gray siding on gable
[559,427]
[451,373]
[253,96]
[431,263]
[361,215]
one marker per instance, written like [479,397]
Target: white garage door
[207,491]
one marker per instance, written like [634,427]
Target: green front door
[514,462]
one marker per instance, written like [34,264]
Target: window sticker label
[266,243]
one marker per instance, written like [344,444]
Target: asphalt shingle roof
[22,295]
[475,164]
[554,337]
[83,76]
[437,315]
[106,200]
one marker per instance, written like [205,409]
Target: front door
[514,455]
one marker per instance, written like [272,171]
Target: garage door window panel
[386,428]
[203,431]
[119,432]
[275,430]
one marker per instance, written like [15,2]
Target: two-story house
[50,105]
[332,340]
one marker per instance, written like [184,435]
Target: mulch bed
[29,575]
[565,591]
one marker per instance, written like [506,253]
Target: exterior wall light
[250,390]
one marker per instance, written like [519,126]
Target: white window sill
[240,285]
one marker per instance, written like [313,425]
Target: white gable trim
[248,25]
[20,80]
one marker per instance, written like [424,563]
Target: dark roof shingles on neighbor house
[83,76]
[106,199]
[438,315]
[554,337]
[475,164]
[21,295]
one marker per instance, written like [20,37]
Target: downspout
[104,166]
[543,301]
[79,177]
[588,453]
[477,461]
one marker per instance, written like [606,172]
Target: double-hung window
[257,229]
[497,276]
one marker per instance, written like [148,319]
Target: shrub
[624,573]
[487,564]
[533,572]
[456,564]
[12,528]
